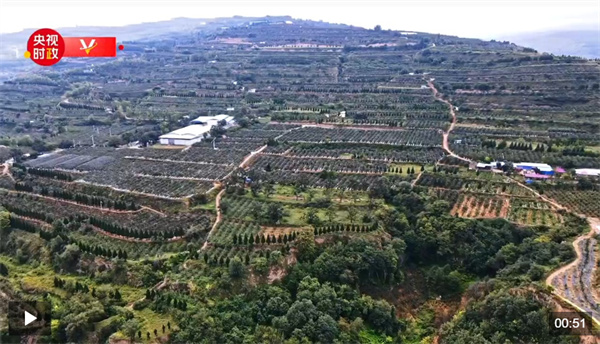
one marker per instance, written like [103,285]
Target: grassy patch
[593,149]
[420,329]
[371,337]
[150,321]
[406,167]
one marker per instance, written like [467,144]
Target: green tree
[268,189]
[236,268]
[275,212]
[305,243]
[311,217]
[130,328]
[4,218]
[260,265]
[115,141]
[330,213]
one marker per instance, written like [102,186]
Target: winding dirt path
[217,221]
[445,134]
[416,180]
[573,282]
[542,197]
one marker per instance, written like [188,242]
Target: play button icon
[29,318]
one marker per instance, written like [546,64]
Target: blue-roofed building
[531,166]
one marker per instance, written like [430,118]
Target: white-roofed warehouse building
[194,132]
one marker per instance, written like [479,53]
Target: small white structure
[212,120]
[252,90]
[491,166]
[588,172]
[230,109]
[343,114]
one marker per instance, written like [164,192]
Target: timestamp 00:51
[572,323]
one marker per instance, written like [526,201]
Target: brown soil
[276,274]
[445,134]
[6,172]
[279,230]
[218,220]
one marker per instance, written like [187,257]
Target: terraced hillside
[344,205]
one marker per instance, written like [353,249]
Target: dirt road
[217,221]
[574,282]
[445,134]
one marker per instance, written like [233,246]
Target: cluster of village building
[536,171]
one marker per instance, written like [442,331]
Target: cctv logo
[87,47]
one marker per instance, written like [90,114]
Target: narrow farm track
[414,182]
[574,281]
[6,172]
[218,220]
[539,195]
[445,134]
[251,156]
[341,126]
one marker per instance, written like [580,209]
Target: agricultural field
[344,194]
[473,206]
[585,202]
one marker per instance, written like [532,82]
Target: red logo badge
[45,47]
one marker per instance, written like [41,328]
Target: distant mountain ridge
[134,32]
[584,42]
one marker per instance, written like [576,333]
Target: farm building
[212,120]
[186,136]
[492,165]
[530,166]
[537,176]
[588,172]
[194,132]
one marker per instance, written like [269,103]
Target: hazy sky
[467,18]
